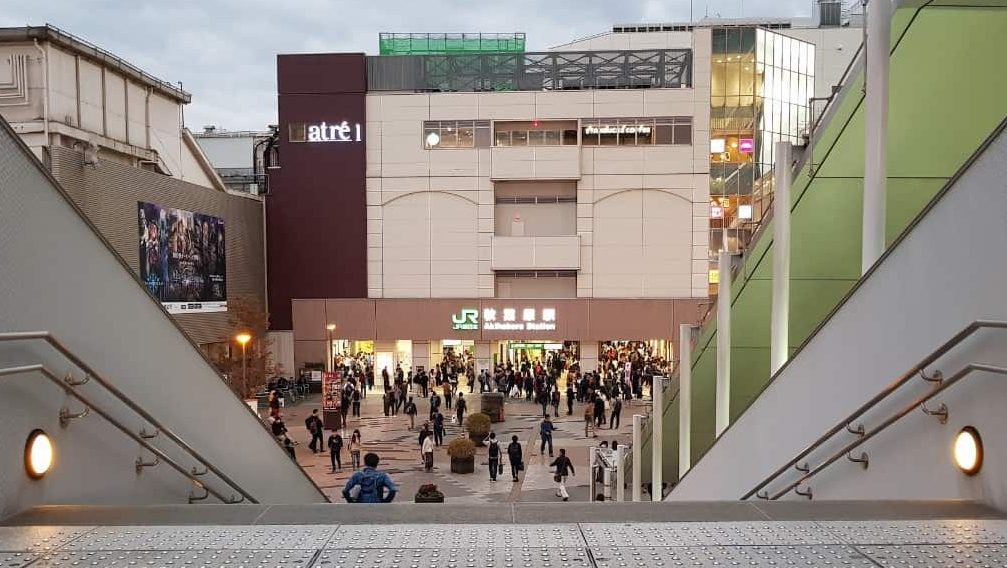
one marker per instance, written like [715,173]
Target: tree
[246,315]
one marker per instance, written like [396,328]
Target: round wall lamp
[433,139]
[39,454]
[968,451]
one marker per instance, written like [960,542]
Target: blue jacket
[372,486]
[546,428]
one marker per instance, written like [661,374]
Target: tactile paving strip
[549,557]
[938,556]
[190,558]
[919,532]
[16,559]
[647,557]
[258,537]
[602,536]
[25,539]
[456,536]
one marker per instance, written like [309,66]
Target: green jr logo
[467,320]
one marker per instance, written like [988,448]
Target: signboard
[617,129]
[746,145]
[344,131]
[332,384]
[182,258]
[332,401]
[506,319]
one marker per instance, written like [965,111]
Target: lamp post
[328,351]
[243,338]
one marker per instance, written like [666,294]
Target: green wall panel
[947,95]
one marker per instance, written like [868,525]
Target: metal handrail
[917,369]
[63,350]
[159,455]
[965,372]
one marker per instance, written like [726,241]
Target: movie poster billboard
[332,400]
[182,259]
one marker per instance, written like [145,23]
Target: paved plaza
[398,448]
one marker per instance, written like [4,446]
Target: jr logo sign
[467,320]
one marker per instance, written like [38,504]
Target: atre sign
[344,131]
[506,319]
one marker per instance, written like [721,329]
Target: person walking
[355,449]
[427,449]
[545,430]
[599,410]
[493,452]
[370,484]
[447,395]
[314,425]
[279,428]
[555,402]
[516,457]
[356,402]
[616,415]
[460,408]
[438,429]
[410,411]
[564,468]
[335,451]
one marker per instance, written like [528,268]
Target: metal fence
[539,71]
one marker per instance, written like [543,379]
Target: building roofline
[92,52]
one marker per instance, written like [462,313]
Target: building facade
[487,201]
[112,136]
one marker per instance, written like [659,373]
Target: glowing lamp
[968,451]
[39,454]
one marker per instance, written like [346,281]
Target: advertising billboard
[182,259]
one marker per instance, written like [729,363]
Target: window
[449,134]
[636,131]
[544,133]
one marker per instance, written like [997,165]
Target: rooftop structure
[446,44]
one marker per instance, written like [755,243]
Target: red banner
[332,384]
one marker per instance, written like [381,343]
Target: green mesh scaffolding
[444,44]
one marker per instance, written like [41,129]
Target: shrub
[429,490]
[461,448]
[478,424]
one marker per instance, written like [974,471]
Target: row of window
[449,134]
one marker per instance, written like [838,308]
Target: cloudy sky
[223,51]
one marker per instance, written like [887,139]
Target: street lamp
[243,338]
[331,327]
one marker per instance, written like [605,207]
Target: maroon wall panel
[316,210]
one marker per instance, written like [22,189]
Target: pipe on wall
[45,95]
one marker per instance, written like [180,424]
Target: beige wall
[524,287]
[108,195]
[417,196]
[88,102]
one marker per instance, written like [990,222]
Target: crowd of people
[624,372]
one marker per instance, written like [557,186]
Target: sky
[224,51]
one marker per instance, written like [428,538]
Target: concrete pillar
[620,473]
[878,49]
[780,317]
[421,354]
[484,357]
[588,356]
[436,352]
[637,455]
[384,356]
[723,396]
[684,398]
[657,439]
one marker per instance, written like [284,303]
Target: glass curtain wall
[761,82]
